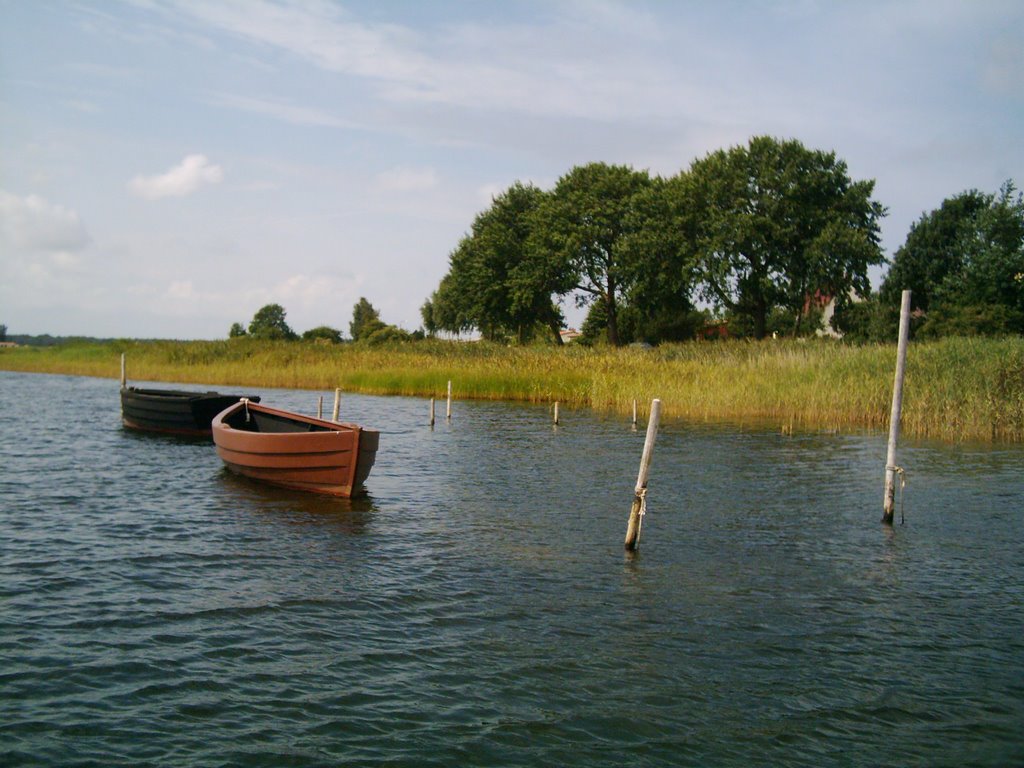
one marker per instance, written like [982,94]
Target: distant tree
[581,230]
[269,323]
[386,333]
[366,326]
[237,330]
[324,333]
[429,320]
[776,222]
[3,333]
[365,320]
[933,250]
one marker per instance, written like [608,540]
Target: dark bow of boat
[172,411]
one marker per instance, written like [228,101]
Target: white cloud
[407,179]
[185,178]
[35,224]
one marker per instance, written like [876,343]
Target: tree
[985,294]
[365,319]
[581,230]
[3,333]
[775,223]
[269,323]
[366,326]
[658,265]
[496,282]
[322,333]
[430,324]
[237,330]
[933,250]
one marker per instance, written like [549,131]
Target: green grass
[956,389]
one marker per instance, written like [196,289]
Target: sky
[168,167]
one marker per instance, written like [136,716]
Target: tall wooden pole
[636,512]
[337,404]
[320,407]
[124,380]
[556,413]
[891,468]
[448,415]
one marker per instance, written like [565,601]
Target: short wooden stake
[337,404]
[124,380]
[556,412]
[449,412]
[320,407]
[636,512]
[431,411]
[891,468]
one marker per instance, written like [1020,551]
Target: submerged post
[431,411]
[636,512]
[891,468]
[124,380]
[449,413]
[337,404]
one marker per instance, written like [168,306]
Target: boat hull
[173,412]
[295,451]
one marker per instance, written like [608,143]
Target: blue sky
[168,167]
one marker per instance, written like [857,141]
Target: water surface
[477,607]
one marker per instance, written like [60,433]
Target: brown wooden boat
[295,451]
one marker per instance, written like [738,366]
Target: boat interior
[247,420]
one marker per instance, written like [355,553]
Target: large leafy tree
[985,294]
[775,223]
[583,226]
[269,323]
[496,282]
[658,265]
[933,250]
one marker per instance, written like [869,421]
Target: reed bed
[956,389]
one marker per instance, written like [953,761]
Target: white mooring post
[337,404]
[891,468]
[124,380]
[556,413]
[448,415]
[634,413]
[636,512]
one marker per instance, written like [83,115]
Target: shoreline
[956,389]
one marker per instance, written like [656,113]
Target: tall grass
[955,389]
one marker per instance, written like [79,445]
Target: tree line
[748,241]
[270,322]
[759,235]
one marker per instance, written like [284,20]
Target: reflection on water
[477,608]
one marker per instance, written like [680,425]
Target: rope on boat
[903,484]
[245,402]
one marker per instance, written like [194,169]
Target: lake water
[477,608]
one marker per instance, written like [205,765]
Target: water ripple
[476,608]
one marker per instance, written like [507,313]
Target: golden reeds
[955,388]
